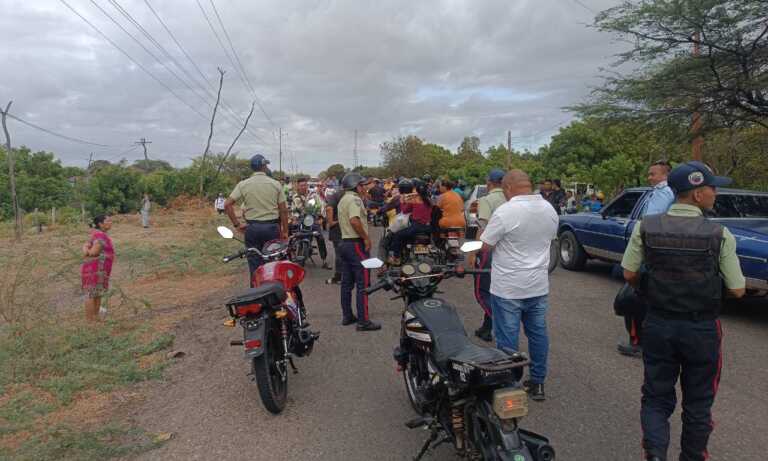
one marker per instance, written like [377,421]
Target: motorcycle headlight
[308,221]
[425,268]
[510,403]
[408,270]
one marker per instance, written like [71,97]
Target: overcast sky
[320,68]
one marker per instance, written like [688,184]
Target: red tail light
[253,344]
[248,309]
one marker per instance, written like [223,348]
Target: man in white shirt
[520,233]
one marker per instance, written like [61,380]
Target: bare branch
[210,134]
[12,175]
[242,130]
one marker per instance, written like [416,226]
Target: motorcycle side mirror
[225,232]
[471,246]
[372,263]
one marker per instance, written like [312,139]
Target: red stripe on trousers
[483,260]
[366,279]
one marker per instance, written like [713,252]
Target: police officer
[688,259]
[485,207]
[355,245]
[265,210]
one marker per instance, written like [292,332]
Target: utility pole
[509,149]
[12,176]
[280,162]
[698,141]
[355,160]
[143,143]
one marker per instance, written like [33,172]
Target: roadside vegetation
[61,379]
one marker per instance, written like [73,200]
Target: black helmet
[351,180]
[417,183]
[258,162]
[426,178]
[405,186]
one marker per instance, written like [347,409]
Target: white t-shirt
[521,231]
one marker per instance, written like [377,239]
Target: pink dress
[95,272]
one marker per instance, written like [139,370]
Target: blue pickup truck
[604,235]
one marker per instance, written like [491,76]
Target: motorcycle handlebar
[237,255]
[376,286]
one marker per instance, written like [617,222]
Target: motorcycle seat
[450,341]
[268,292]
[422,239]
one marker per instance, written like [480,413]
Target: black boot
[484,332]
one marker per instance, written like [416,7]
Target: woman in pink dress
[99,256]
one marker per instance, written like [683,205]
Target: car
[470,209]
[604,235]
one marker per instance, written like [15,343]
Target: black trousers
[483,282]
[690,351]
[336,259]
[257,234]
[320,239]
[354,275]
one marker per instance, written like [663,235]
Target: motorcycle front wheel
[416,378]
[271,375]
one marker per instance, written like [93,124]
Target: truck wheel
[572,255]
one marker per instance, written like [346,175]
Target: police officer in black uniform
[688,261]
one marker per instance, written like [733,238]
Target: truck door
[611,230]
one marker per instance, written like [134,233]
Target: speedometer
[408,270]
[425,268]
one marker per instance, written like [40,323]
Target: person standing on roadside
[688,261]
[263,202]
[99,254]
[485,207]
[334,233]
[520,233]
[218,204]
[146,205]
[662,197]
[355,245]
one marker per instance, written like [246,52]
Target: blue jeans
[507,314]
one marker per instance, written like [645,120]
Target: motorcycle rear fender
[254,330]
[511,441]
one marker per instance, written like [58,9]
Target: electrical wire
[586,7]
[58,135]
[138,64]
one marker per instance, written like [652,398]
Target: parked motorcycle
[465,394]
[273,318]
[300,241]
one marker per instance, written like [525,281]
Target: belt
[270,221]
[352,239]
[695,316]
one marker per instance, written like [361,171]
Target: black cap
[693,174]
[258,162]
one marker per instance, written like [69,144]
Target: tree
[469,149]
[336,170]
[149,166]
[727,83]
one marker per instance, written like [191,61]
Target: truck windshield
[741,206]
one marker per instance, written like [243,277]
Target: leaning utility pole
[210,133]
[280,162]
[143,143]
[12,176]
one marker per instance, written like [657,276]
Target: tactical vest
[682,258]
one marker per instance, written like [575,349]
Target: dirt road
[348,402]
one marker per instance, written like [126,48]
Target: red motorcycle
[273,318]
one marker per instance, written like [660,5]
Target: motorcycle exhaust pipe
[539,446]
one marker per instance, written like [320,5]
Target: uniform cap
[495,175]
[258,161]
[693,174]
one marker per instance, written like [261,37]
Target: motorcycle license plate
[421,249]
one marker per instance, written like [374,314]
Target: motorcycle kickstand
[293,367]
[431,442]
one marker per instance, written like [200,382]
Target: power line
[240,64]
[203,78]
[138,64]
[58,135]
[586,7]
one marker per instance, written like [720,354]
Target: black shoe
[535,390]
[484,332]
[368,326]
[630,350]
[349,321]
[333,281]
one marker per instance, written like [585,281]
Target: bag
[401,221]
[629,302]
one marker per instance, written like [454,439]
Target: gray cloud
[439,69]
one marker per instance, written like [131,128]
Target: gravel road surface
[348,401]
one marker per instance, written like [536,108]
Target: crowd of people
[678,266]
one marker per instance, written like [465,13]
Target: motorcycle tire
[485,438]
[302,253]
[273,389]
[414,375]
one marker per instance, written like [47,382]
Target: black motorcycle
[465,394]
[302,233]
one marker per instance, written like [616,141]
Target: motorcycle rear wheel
[415,375]
[273,389]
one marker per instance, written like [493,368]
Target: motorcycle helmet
[405,186]
[350,181]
